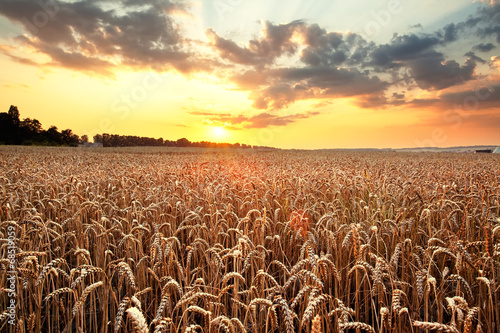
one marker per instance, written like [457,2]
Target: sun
[219,132]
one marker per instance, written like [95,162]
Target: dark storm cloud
[488,31]
[82,35]
[324,48]
[292,84]
[276,41]
[329,65]
[429,68]
[435,73]
[490,17]
[474,57]
[403,48]
[482,47]
[339,65]
[450,33]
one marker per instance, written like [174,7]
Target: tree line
[115,140]
[14,131]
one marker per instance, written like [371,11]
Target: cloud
[250,79]
[261,120]
[493,30]
[292,84]
[276,97]
[275,42]
[324,48]
[403,48]
[415,26]
[482,96]
[8,51]
[82,35]
[284,64]
[202,113]
[490,17]
[343,65]
[482,47]
[495,62]
[422,102]
[327,68]
[450,33]
[474,57]
[435,73]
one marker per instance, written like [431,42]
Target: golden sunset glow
[306,75]
[219,133]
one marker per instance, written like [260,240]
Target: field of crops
[173,240]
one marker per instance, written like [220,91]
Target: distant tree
[169,143]
[183,143]
[69,138]
[14,115]
[10,132]
[116,140]
[106,140]
[98,138]
[32,126]
[53,135]
[84,139]
[29,131]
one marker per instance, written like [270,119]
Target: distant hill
[458,149]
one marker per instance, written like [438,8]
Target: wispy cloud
[261,120]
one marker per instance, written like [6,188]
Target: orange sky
[295,74]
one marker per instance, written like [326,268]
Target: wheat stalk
[139,324]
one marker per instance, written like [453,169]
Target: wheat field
[187,240]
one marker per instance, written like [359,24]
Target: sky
[288,74]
